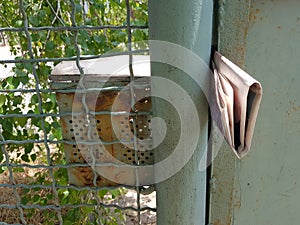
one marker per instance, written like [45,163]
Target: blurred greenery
[57,44]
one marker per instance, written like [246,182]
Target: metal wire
[74,58]
[129,46]
[72,206]
[72,28]
[50,166]
[87,90]
[12,180]
[86,108]
[40,107]
[30,115]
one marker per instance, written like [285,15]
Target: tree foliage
[47,44]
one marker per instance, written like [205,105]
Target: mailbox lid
[114,69]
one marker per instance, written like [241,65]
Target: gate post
[181,199]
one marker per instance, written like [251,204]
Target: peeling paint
[296,108]
[254,15]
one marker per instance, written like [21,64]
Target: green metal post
[262,36]
[181,199]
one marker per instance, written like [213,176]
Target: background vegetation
[56,44]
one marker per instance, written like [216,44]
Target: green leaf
[35,7]
[34,99]
[36,198]
[2,99]
[7,135]
[115,193]
[7,126]
[27,66]
[22,121]
[33,20]
[48,106]
[50,46]
[26,190]
[99,39]
[19,23]
[28,148]
[33,157]
[102,193]
[17,110]
[1,157]
[49,196]
[19,72]
[25,158]
[24,79]
[79,7]
[4,83]
[42,13]
[17,100]
[15,82]
[24,200]
[87,210]
[68,221]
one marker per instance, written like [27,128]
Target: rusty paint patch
[296,108]
[254,15]
[293,108]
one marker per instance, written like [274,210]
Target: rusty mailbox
[98,118]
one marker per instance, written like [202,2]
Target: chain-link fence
[34,183]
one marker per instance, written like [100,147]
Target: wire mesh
[33,179]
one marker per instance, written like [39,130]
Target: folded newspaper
[235,100]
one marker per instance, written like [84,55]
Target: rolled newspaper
[235,99]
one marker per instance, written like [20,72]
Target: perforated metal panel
[110,125]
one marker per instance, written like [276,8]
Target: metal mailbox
[98,121]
